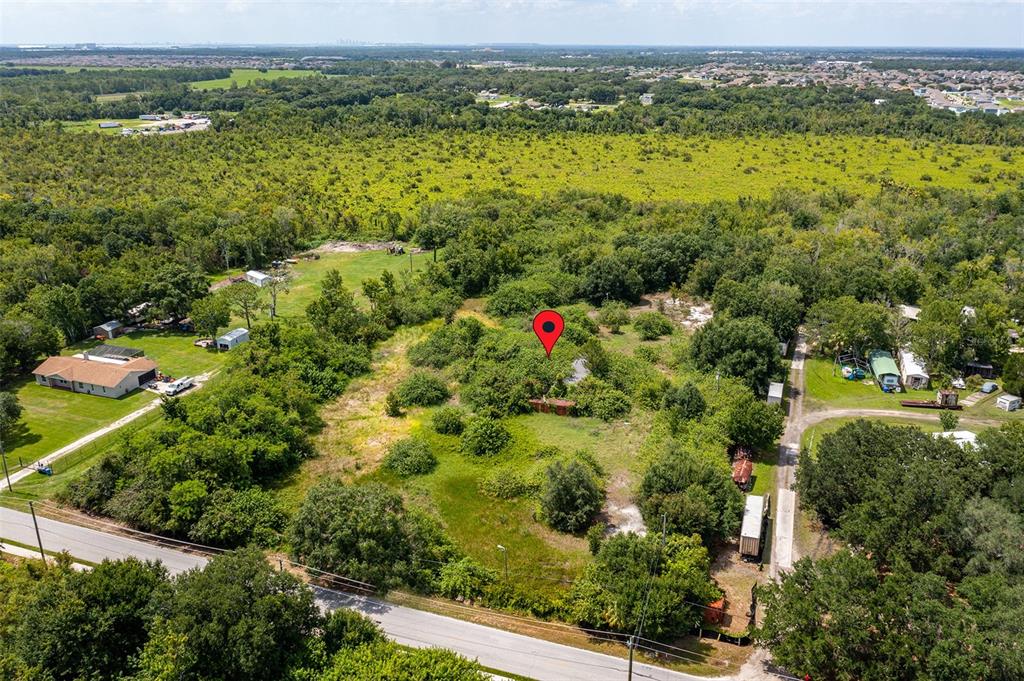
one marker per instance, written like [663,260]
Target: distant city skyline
[793,23]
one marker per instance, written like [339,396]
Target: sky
[911,23]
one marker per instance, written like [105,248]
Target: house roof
[117,352]
[882,363]
[775,390]
[961,437]
[910,312]
[82,370]
[742,470]
[256,274]
[752,515]
[912,366]
[112,324]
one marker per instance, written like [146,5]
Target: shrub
[684,403]
[652,325]
[392,405]
[411,456]
[485,437]
[595,536]
[344,628]
[614,315]
[422,390]
[610,405]
[235,518]
[506,483]
[464,579]
[448,421]
[570,497]
[949,420]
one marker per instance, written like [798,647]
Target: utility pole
[38,538]
[630,646]
[3,456]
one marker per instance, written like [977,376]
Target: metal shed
[887,374]
[912,371]
[232,338]
[109,329]
[257,278]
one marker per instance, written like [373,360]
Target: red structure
[741,472]
[559,407]
[714,613]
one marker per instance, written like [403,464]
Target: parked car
[989,387]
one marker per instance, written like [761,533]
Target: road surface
[505,651]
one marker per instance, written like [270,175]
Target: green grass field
[117,96]
[93,125]
[244,77]
[173,351]
[354,268]
[52,418]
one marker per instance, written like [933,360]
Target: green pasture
[538,556]
[244,77]
[354,268]
[367,177]
[93,125]
[173,351]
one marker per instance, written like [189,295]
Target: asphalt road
[493,648]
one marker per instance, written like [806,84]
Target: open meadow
[329,176]
[244,77]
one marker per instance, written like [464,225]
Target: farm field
[335,175]
[173,351]
[117,96]
[93,125]
[244,77]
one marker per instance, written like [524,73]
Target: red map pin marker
[548,325]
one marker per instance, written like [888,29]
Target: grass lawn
[244,77]
[39,486]
[117,96]
[52,418]
[825,391]
[354,268]
[173,351]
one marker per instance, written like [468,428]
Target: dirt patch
[736,577]
[362,247]
[621,514]
[688,313]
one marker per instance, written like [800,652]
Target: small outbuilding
[232,339]
[775,393]
[912,371]
[742,471]
[983,369]
[1008,402]
[111,329]
[257,278]
[753,523]
[910,312]
[887,374]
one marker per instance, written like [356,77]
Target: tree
[173,287]
[845,324]
[90,624]
[937,336]
[237,618]
[1013,374]
[949,420]
[10,412]
[210,314]
[485,437]
[335,310]
[754,423]
[280,282]
[693,492]
[365,532]
[745,348]
[389,661]
[570,496]
[631,575]
[683,403]
[614,315]
[60,306]
[609,278]
[246,299]
[464,579]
